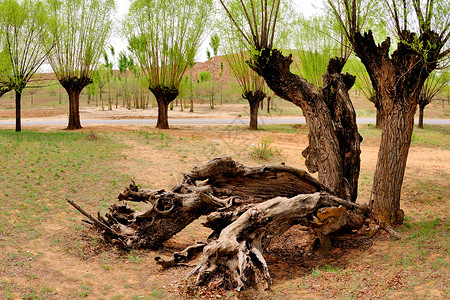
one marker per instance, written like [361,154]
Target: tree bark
[334,141]
[236,258]
[254,98]
[74,86]
[397,80]
[378,118]
[18,110]
[164,96]
[221,183]
[392,156]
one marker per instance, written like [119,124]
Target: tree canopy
[164,36]
[23,28]
[80,30]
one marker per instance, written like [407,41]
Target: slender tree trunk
[268,104]
[212,90]
[421,110]
[109,97]
[101,99]
[18,110]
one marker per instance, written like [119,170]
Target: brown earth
[89,269]
[94,271]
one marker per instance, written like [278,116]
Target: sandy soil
[105,276]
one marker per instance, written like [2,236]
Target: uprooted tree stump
[237,254]
[245,208]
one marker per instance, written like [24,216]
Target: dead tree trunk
[334,141]
[236,257]
[246,208]
[220,184]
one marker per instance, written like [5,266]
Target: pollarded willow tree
[24,31]
[80,30]
[253,87]
[334,141]
[236,53]
[164,37]
[421,30]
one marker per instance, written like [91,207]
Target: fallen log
[245,207]
[236,259]
[222,185]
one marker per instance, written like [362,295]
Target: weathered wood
[398,78]
[221,184]
[334,141]
[178,258]
[237,255]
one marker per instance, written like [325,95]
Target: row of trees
[164,37]
[69,35]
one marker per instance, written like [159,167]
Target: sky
[306,7]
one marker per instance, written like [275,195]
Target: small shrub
[263,150]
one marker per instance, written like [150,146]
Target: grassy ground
[46,253]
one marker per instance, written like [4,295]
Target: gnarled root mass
[236,257]
[245,207]
[220,185]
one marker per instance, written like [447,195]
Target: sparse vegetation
[56,165]
[263,150]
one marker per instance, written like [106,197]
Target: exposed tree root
[237,254]
[245,206]
[221,185]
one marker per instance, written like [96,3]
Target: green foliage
[204,76]
[23,31]
[80,29]
[316,41]
[263,150]
[261,24]
[164,37]
[362,82]
[214,43]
